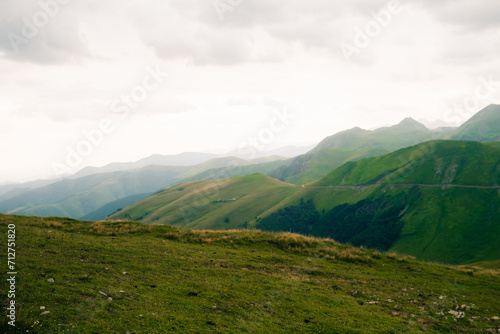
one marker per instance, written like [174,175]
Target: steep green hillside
[437,201]
[454,225]
[484,126]
[221,204]
[119,277]
[434,162]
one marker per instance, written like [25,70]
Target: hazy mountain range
[437,200]
[394,188]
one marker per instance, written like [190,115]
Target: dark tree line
[373,223]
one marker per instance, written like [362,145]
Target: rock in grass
[103,293]
[46,312]
[50,280]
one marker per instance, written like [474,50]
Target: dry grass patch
[53,224]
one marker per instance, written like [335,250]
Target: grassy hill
[221,204]
[118,277]
[484,126]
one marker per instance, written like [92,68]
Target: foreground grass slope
[114,277]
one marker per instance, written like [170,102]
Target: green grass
[455,225]
[182,281]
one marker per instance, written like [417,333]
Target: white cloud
[227,76]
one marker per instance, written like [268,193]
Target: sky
[87,83]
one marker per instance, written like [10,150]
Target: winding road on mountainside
[444,186]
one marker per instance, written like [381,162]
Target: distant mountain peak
[409,124]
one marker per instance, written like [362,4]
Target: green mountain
[437,201]
[356,143]
[220,204]
[484,126]
[434,162]
[407,132]
[318,163]
[126,277]
[352,145]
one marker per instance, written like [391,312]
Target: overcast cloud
[65,66]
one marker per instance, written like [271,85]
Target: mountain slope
[407,132]
[483,126]
[439,201]
[434,162]
[352,145]
[12,190]
[76,198]
[80,197]
[317,164]
[112,207]
[237,170]
[221,204]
